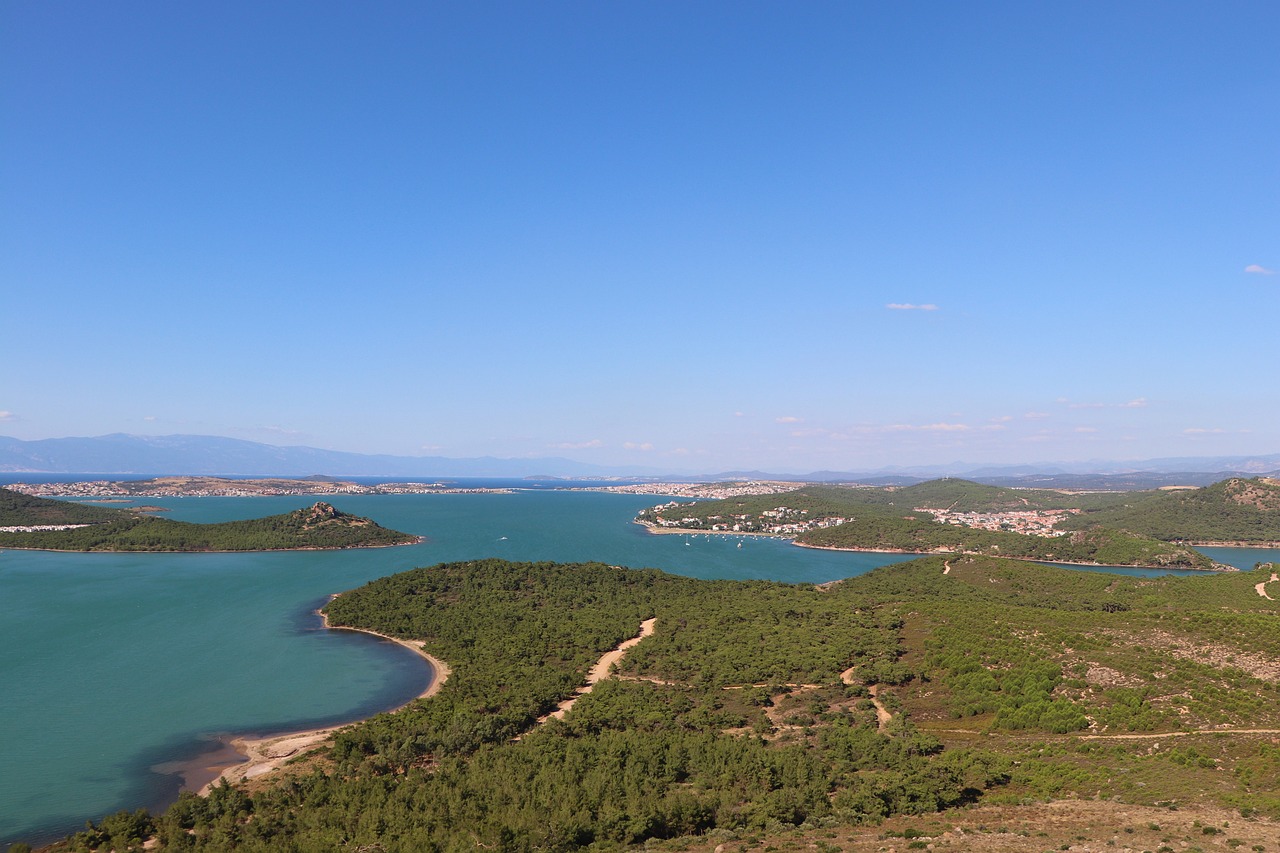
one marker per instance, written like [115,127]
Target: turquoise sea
[115,666]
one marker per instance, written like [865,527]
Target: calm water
[111,664]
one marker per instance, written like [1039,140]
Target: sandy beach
[247,757]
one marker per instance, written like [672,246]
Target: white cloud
[633,445]
[1036,416]
[907,306]
[1203,431]
[149,418]
[579,445]
[938,427]
[739,414]
[6,415]
[788,419]
[1259,269]
[1136,403]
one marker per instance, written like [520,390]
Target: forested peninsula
[763,713]
[43,523]
[1149,528]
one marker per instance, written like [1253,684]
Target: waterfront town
[719,491]
[1032,522]
[787,521]
[780,521]
[219,487]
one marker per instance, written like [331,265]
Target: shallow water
[111,664]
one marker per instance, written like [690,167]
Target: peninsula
[1149,529]
[53,525]
[958,699]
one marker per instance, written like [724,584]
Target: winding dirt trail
[1156,736]
[600,671]
[882,713]
[1262,587]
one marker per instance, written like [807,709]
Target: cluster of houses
[1032,522]
[780,521]
[735,489]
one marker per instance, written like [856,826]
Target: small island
[53,525]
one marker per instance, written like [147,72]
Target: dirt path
[882,713]
[1148,736]
[600,671]
[1262,587]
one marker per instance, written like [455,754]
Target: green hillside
[104,529]
[732,724]
[1235,510]
[917,532]
[19,509]
[887,519]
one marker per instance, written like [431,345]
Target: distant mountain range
[135,455]
[121,454]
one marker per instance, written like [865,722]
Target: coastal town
[719,491]
[219,487]
[788,521]
[780,521]
[1036,522]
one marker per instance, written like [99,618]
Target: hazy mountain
[121,454]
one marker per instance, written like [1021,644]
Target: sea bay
[112,664]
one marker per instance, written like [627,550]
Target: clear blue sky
[691,236]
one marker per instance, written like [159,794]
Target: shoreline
[672,531]
[1262,546]
[418,540]
[1023,559]
[243,757]
[669,531]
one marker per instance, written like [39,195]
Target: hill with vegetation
[763,713]
[1234,510]
[919,533]
[70,526]
[943,516]
[17,509]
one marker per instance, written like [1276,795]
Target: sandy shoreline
[245,757]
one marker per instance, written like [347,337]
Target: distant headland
[52,525]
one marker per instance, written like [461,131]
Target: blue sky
[691,236]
